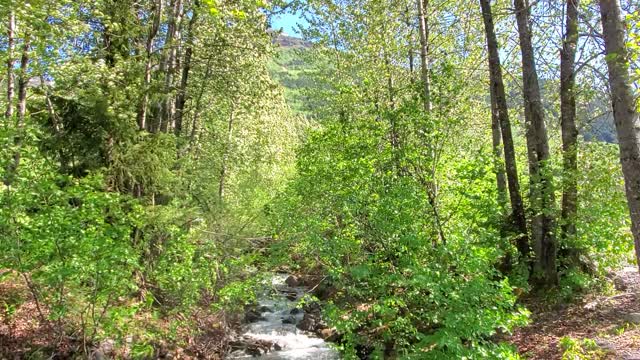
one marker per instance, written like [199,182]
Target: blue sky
[288,23]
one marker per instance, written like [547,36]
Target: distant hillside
[293,70]
[594,118]
[291,42]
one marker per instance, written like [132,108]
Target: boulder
[104,350]
[324,291]
[237,353]
[312,319]
[312,307]
[328,334]
[295,311]
[308,323]
[253,315]
[290,295]
[289,320]
[254,351]
[107,346]
[292,281]
[311,281]
[311,322]
[162,349]
[620,284]
[98,355]
[633,318]
[250,346]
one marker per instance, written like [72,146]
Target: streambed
[275,320]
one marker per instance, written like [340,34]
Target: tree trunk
[198,106]
[410,55]
[186,67]
[10,62]
[424,53]
[394,137]
[502,114]
[23,81]
[168,106]
[225,155]
[182,94]
[430,183]
[57,126]
[568,122]
[625,113]
[542,197]
[501,181]
[153,31]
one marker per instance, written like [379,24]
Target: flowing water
[278,325]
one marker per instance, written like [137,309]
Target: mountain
[291,42]
[293,69]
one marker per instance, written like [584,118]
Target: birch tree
[501,113]
[542,197]
[625,109]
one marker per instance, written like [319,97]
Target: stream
[276,323]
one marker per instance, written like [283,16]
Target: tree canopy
[436,164]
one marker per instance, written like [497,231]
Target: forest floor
[603,319]
[23,336]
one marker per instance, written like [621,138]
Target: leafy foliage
[581,349]
[142,168]
[158,156]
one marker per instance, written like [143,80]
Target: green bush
[585,349]
[399,289]
[72,240]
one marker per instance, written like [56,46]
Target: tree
[111,71]
[541,182]
[423,21]
[496,139]
[156,10]
[625,111]
[11,25]
[501,113]
[186,68]
[568,122]
[23,81]
[168,66]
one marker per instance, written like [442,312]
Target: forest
[399,179]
